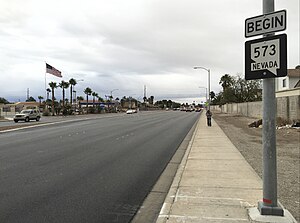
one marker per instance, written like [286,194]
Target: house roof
[294,73]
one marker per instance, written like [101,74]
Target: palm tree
[48,92]
[64,85]
[53,85]
[226,81]
[100,99]
[94,94]
[80,98]
[40,99]
[72,83]
[87,91]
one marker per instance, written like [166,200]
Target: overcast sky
[118,44]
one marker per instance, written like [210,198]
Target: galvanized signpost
[266,59]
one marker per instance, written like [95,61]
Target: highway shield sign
[266,57]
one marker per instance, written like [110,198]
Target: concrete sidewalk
[214,183]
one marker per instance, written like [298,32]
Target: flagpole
[46,107]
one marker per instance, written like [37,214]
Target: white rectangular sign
[267,23]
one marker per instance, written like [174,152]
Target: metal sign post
[266,59]
[269,204]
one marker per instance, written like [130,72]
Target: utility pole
[145,97]
[269,204]
[27,94]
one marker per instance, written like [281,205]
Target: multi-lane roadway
[98,169]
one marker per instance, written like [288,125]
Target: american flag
[52,70]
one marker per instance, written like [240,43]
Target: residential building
[292,80]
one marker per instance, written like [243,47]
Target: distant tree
[212,95]
[145,99]
[123,100]
[48,92]
[100,99]
[64,85]
[72,83]
[30,99]
[88,91]
[40,99]
[226,82]
[217,100]
[3,101]
[79,98]
[247,90]
[94,94]
[175,105]
[238,90]
[53,85]
[151,100]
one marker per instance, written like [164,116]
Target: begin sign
[263,24]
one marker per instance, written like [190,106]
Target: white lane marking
[44,124]
[53,123]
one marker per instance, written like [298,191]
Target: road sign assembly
[266,57]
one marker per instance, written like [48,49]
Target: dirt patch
[249,142]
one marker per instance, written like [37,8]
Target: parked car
[27,115]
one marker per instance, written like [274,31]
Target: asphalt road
[94,170]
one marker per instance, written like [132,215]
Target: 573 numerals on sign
[264,49]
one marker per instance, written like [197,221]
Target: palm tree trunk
[87,103]
[63,98]
[52,101]
[71,95]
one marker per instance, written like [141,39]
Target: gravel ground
[249,142]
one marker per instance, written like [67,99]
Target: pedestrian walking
[208,115]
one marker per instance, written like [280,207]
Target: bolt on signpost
[266,59]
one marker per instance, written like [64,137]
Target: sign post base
[267,210]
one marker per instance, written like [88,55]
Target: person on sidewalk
[208,115]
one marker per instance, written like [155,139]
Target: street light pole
[208,70]
[75,99]
[111,95]
[205,92]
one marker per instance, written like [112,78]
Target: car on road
[27,115]
[129,111]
